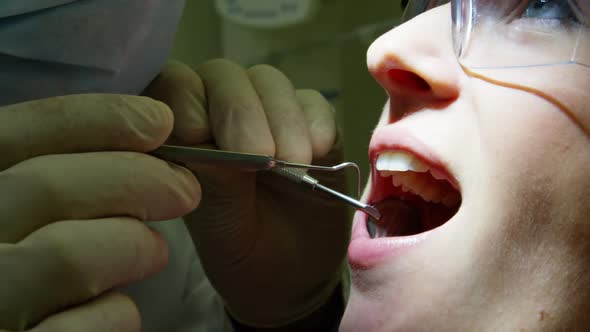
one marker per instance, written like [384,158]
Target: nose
[415,63]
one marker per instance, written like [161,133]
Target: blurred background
[319,44]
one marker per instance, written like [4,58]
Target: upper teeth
[404,168]
[399,161]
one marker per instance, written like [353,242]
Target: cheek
[522,133]
[525,141]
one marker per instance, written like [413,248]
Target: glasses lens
[513,33]
[461,17]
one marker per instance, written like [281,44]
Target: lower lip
[365,253]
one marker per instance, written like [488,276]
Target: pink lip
[364,252]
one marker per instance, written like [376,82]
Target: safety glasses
[541,46]
[515,33]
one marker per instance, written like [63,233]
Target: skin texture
[515,256]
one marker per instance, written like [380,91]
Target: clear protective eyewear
[515,33]
[541,46]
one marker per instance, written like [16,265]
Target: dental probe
[255,162]
[235,160]
[301,177]
[239,160]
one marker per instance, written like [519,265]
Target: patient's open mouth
[413,197]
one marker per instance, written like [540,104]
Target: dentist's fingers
[112,312]
[236,115]
[284,113]
[321,121]
[81,123]
[69,262]
[45,189]
[179,87]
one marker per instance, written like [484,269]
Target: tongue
[399,218]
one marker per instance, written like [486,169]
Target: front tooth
[399,161]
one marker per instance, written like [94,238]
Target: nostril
[408,80]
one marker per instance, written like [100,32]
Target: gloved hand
[272,249]
[74,190]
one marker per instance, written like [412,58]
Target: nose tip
[415,62]
[417,78]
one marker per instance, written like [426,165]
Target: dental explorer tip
[372,212]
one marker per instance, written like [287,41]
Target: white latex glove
[273,250]
[74,190]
